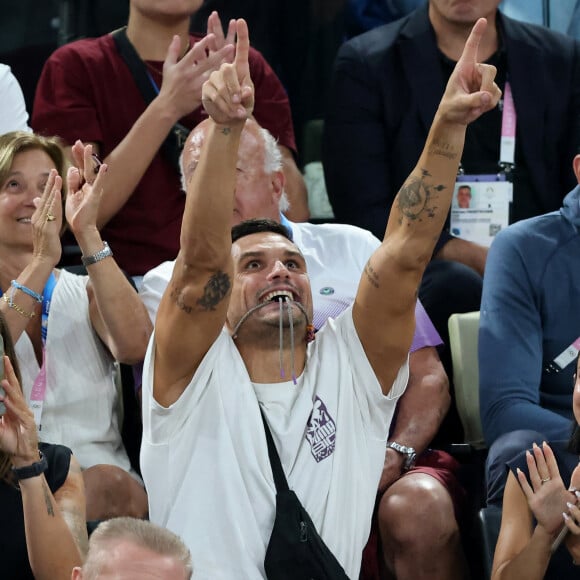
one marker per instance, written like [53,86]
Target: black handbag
[176,138]
[295,550]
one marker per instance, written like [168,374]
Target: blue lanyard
[286,223]
[153,82]
[46,298]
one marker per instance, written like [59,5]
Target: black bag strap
[275,463]
[135,64]
[174,141]
[292,522]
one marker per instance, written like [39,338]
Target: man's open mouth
[277,296]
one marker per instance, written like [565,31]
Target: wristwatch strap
[100,255]
[408,452]
[33,470]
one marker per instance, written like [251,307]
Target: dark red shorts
[444,469]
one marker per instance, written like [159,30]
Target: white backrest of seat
[463,337]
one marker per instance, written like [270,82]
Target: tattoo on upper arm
[415,195]
[371,274]
[47,499]
[215,291]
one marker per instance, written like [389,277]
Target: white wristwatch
[408,452]
[97,257]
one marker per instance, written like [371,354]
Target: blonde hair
[143,533]
[15,142]
[5,459]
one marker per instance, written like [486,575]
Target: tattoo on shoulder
[442,149]
[416,197]
[215,291]
[48,499]
[371,274]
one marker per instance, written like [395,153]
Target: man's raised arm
[193,309]
[383,309]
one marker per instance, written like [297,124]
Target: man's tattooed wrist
[442,149]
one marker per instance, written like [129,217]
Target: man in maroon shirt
[87,92]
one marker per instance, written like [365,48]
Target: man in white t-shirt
[335,257]
[204,456]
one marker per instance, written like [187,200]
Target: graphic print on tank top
[321,432]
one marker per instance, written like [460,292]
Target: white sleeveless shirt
[82,406]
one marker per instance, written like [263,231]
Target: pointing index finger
[472,45]
[242,49]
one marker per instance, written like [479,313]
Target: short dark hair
[256,226]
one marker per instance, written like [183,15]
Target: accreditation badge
[480,207]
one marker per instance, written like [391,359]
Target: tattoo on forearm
[415,197]
[371,274]
[48,499]
[215,291]
[442,149]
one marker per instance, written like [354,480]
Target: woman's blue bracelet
[31,293]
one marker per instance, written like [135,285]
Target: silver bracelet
[100,255]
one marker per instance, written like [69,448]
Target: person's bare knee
[112,492]
[419,532]
[417,511]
